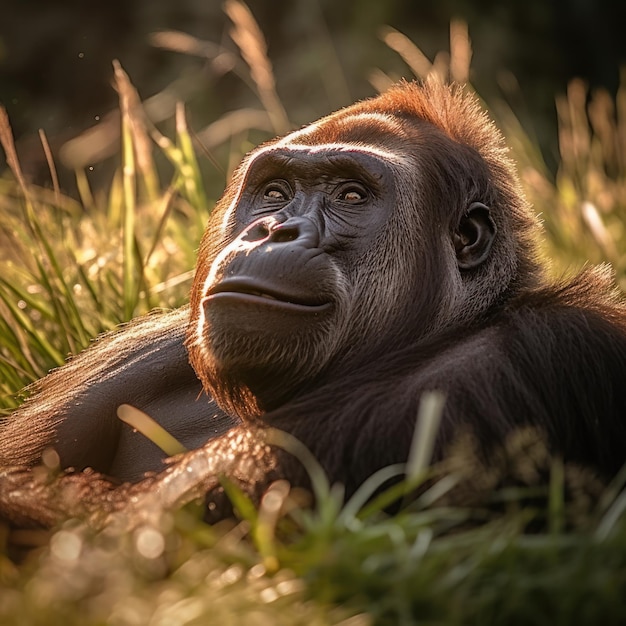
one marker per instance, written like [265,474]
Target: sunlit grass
[460,554]
[71,270]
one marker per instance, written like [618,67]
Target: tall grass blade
[151,429]
[130,280]
[190,172]
[423,444]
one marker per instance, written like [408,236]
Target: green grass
[462,554]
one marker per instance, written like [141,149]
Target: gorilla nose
[299,230]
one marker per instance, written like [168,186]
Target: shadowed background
[56,57]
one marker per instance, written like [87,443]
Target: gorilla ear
[474,236]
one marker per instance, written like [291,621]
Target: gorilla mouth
[255,292]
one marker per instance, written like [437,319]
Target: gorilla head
[377,226]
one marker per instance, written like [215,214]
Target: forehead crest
[356,128]
[393,117]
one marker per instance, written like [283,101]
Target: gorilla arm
[73,409]
[32,498]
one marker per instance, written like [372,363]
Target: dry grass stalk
[51,166]
[234,123]
[222,61]
[574,135]
[185,43]
[250,41]
[380,80]
[408,51]
[6,139]
[460,51]
[453,65]
[133,113]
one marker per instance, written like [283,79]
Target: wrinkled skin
[384,251]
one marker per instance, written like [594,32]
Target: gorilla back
[381,252]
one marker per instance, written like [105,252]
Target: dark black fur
[399,253]
[546,360]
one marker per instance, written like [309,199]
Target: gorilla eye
[353,194]
[275,194]
[277,190]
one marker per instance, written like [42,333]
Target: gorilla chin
[254,346]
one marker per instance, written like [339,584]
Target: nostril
[283,233]
[271,230]
[256,232]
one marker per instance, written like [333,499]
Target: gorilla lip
[253,292]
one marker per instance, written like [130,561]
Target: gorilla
[352,265]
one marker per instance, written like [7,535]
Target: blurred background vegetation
[55,57]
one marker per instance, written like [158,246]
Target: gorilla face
[275,304]
[360,233]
